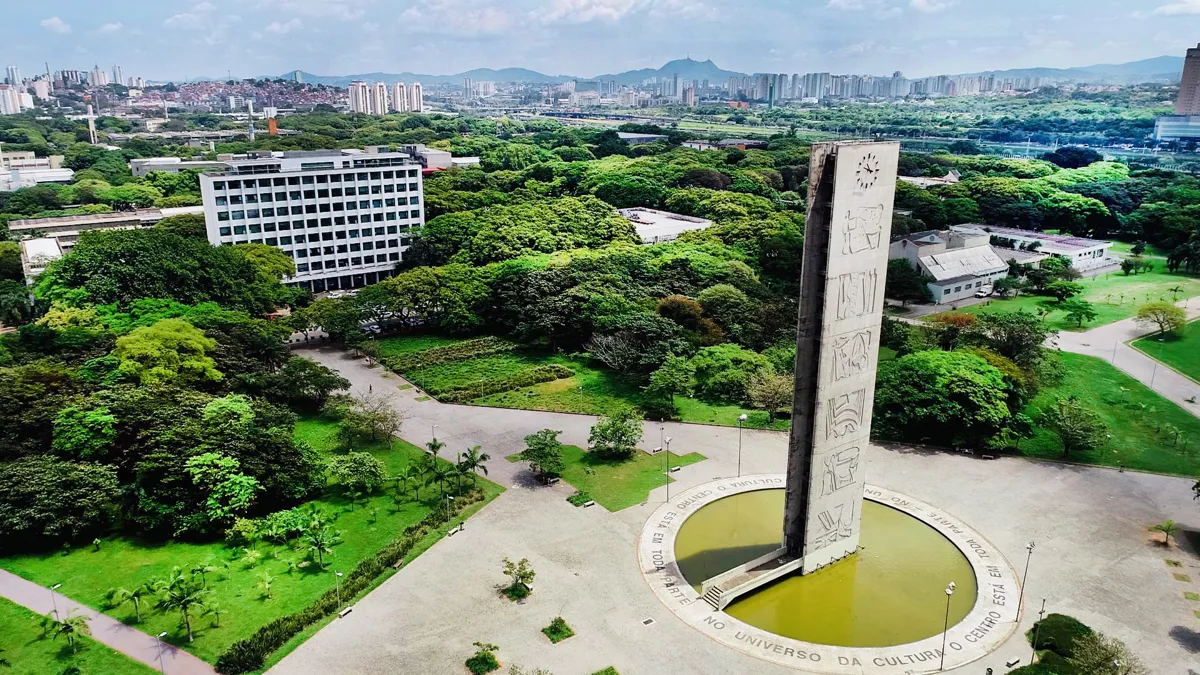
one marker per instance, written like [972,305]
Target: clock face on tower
[867,173]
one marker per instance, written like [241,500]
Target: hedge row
[460,351]
[251,653]
[483,388]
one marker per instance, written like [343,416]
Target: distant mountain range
[1159,69]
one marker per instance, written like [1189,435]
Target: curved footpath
[106,630]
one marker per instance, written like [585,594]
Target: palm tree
[251,556]
[1175,291]
[434,447]
[265,583]
[203,569]
[216,610]
[440,472]
[473,462]
[183,593]
[70,627]
[121,596]
[321,542]
[1168,528]
[410,472]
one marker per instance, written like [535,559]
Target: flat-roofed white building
[344,216]
[143,167]
[1084,254]
[961,262]
[66,229]
[654,226]
[37,254]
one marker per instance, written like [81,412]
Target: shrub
[1057,633]
[516,592]
[474,390]
[558,630]
[484,660]
[251,653]
[460,351]
[579,498]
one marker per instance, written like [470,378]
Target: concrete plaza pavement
[104,629]
[1094,557]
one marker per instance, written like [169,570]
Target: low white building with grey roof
[959,262]
[654,226]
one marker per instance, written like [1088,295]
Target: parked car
[985,292]
[334,295]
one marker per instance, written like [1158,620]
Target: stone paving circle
[991,621]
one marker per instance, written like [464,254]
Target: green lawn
[1138,437]
[619,485]
[1113,295]
[27,652]
[1152,251]
[86,575]
[407,344]
[1181,352]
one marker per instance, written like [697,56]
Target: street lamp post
[337,584]
[433,431]
[161,668]
[448,500]
[1036,629]
[53,601]
[1028,547]
[946,626]
[741,420]
[667,462]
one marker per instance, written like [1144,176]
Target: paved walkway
[1110,343]
[106,630]
[1093,559]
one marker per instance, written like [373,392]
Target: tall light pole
[741,420]
[433,431]
[448,500]
[161,668]
[946,626]
[667,460]
[1028,547]
[337,584]
[53,602]
[1036,628]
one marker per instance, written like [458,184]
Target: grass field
[1152,252]
[1181,352]
[619,485]
[1136,417]
[1114,297]
[86,575]
[27,652]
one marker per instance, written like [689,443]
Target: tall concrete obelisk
[851,193]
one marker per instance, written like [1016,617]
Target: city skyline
[577,37]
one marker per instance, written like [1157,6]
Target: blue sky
[189,38]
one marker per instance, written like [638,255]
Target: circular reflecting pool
[891,592]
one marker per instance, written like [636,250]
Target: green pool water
[891,592]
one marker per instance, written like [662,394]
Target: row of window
[328,236]
[345,262]
[340,248]
[323,193]
[225,216]
[312,180]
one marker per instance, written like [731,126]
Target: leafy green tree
[1073,157]
[1061,290]
[44,499]
[1166,316]
[1097,653]
[733,311]
[11,268]
[1168,528]
[338,317]
[950,397]
[616,436]
[521,572]
[320,542]
[358,472]
[906,284]
[625,191]
[86,434]
[271,263]
[14,303]
[1018,336]
[70,627]
[228,492]
[303,384]
[1078,428]
[771,392]
[1007,286]
[130,195]
[544,452]
[171,350]
[1079,311]
[967,147]
[723,372]
[676,377]
[371,416]
[185,225]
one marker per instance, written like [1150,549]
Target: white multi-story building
[118,77]
[41,87]
[12,76]
[10,100]
[98,77]
[399,97]
[379,99]
[345,216]
[360,97]
[416,98]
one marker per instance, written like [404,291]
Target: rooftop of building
[653,225]
[1059,241]
[625,135]
[143,215]
[1023,257]
[963,262]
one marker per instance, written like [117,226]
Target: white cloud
[195,18]
[346,10]
[931,6]
[1184,7]
[459,17]
[847,5]
[109,28]
[284,28]
[56,25]
[582,11]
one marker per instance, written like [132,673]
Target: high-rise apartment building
[360,97]
[344,216]
[416,98]
[1188,102]
[468,88]
[399,97]
[117,76]
[379,99]
[10,100]
[12,76]
[98,77]
[689,96]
